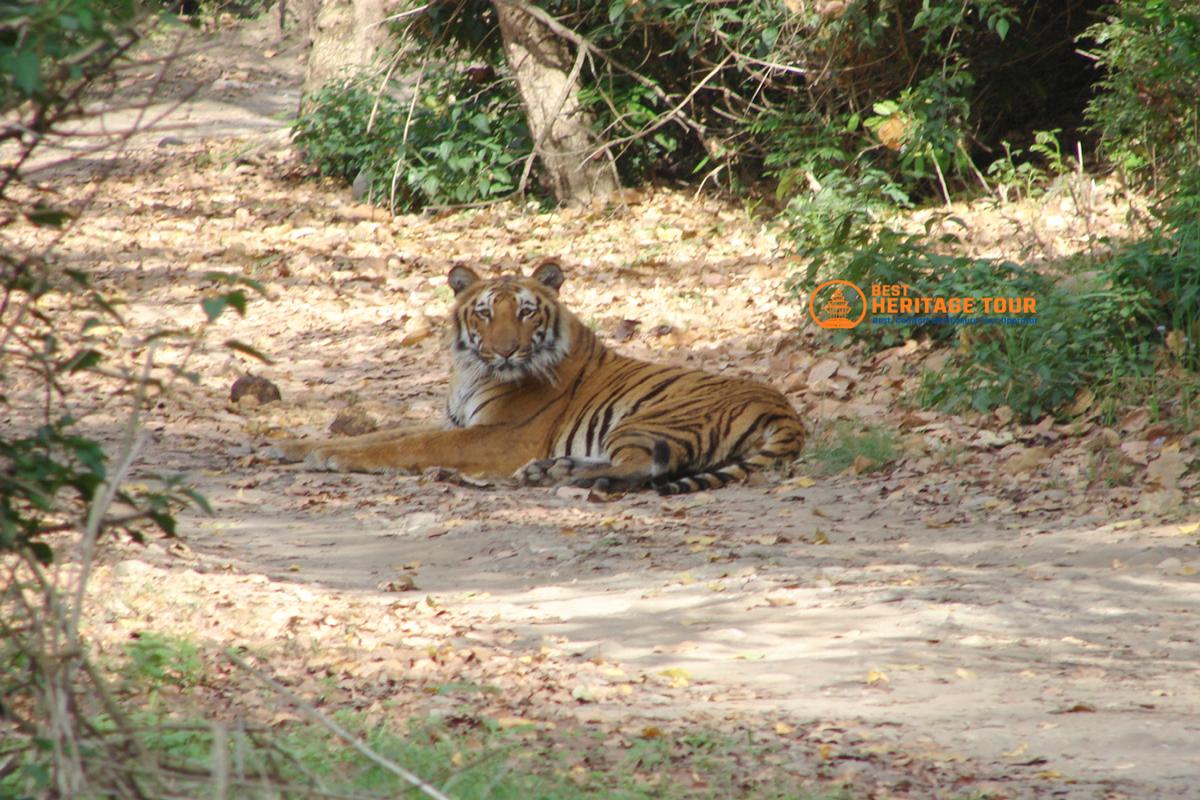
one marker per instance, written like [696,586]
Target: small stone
[251,385]
[132,568]
[354,421]
[1170,564]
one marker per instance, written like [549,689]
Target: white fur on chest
[466,397]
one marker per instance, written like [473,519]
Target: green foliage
[1147,110]
[1130,316]
[466,758]
[1136,315]
[458,142]
[1032,369]
[49,49]
[38,471]
[1018,170]
[154,660]
[1136,311]
[1155,282]
[838,236]
[906,98]
[52,477]
[735,92]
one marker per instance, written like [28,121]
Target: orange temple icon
[836,311]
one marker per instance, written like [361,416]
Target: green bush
[1155,282]
[457,143]
[1137,312]
[1033,369]
[49,49]
[52,55]
[1147,109]
[839,235]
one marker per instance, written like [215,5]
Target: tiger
[535,394]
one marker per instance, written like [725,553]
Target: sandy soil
[1015,626]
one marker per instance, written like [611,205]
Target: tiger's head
[512,327]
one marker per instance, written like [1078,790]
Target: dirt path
[1046,652]
[1016,625]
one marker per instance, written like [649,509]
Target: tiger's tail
[783,440]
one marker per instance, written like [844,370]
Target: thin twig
[132,441]
[674,113]
[941,178]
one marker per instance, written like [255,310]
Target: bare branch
[674,113]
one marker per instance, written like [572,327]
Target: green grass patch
[838,447]
[167,743]
[463,757]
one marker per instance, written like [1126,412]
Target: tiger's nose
[506,350]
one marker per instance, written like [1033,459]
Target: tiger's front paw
[546,471]
[288,450]
[323,460]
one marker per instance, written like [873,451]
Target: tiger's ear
[550,273]
[461,277]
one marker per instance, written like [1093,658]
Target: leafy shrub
[154,660]
[1018,169]
[49,49]
[1032,369]
[1147,110]
[455,143]
[51,478]
[1155,282]
[840,236]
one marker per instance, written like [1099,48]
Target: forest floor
[1006,610]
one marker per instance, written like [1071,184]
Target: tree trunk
[562,129]
[346,39]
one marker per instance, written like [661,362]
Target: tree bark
[574,161]
[346,39]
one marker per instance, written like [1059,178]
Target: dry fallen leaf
[1083,401]
[1166,470]
[1134,421]
[1028,460]
[823,370]
[679,677]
